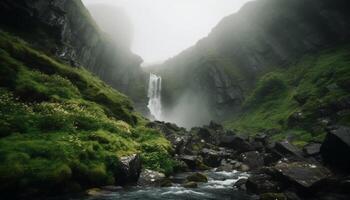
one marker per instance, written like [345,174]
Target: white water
[154,96]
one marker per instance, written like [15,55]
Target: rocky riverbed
[219,164]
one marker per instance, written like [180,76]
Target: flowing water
[154,96]
[219,186]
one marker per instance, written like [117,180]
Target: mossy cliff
[62,129]
[65,30]
[224,68]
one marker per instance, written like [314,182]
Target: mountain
[63,129]
[65,30]
[223,70]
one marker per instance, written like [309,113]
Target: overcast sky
[163,28]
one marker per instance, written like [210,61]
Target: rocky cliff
[264,35]
[67,31]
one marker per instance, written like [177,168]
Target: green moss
[61,128]
[291,102]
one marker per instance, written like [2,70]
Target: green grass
[62,129]
[315,86]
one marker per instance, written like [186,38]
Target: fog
[163,28]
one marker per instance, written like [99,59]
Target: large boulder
[197,177]
[312,149]
[260,183]
[335,149]
[286,149]
[300,174]
[253,159]
[129,170]
[238,143]
[150,178]
[213,157]
[193,162]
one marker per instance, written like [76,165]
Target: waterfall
[154,96]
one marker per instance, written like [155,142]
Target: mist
[160,29]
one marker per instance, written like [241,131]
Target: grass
[293,103]
[62,129]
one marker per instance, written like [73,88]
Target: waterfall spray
[154,96]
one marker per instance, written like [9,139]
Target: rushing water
[154,95]
[219,186]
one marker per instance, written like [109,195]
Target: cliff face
[68,32]
[263,35]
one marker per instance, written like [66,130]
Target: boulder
[193,162]
[253,159]
[150,178]
[190,185]
[301,174]
[197,177]
[312,149]
[238,143]
[335,149]
[129,170]
[286,149]
[241,184]
[273,196]
[213,158]
[260,183]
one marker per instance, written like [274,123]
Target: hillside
[222,70]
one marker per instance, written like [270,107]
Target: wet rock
[273,196]
[288,150]
[213,158]
[244,168]
[241,184]
[335,149]
[150,178]
[166,183]
[312,149]
[111,188]
[193,162]
[197,177]
[303,175]
[130,169]
[190,185]
[253,159]
[260,183]
[94,192]
[238,143]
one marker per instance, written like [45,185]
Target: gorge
[257,110]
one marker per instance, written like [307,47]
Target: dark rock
[312,149]
[193,162]
[273,196]
[241,184]
[197,177]
[150,178]
[335,149]
[166,183]
[112,188]
[262,183]
[130,169]
[288,150]
[253,159]
[238,143]
[272,158]
[190,185]
[303,175]
[291,195]
[213,158]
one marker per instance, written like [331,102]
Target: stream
[219,186]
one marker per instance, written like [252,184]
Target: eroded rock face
[68,31]
[335,150]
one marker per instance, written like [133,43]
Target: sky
[164,28]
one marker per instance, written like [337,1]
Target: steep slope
[62,129]
[65,30]
[222,69]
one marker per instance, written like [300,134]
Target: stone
[213,158]
[335,149]
[238,143]
[129,170]
[190,185]
[112,188]
[94,192]
[273,196]
[301,174]
[260,183]
[241,184]
[312,149]
[150,178]
[288,150]
[193,162]
[253,159]
[197,177]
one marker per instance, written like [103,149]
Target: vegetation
[300,101]
[62,129]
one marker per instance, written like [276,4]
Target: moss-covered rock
[197,177]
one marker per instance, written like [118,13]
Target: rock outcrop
[69,33]
[223,67]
